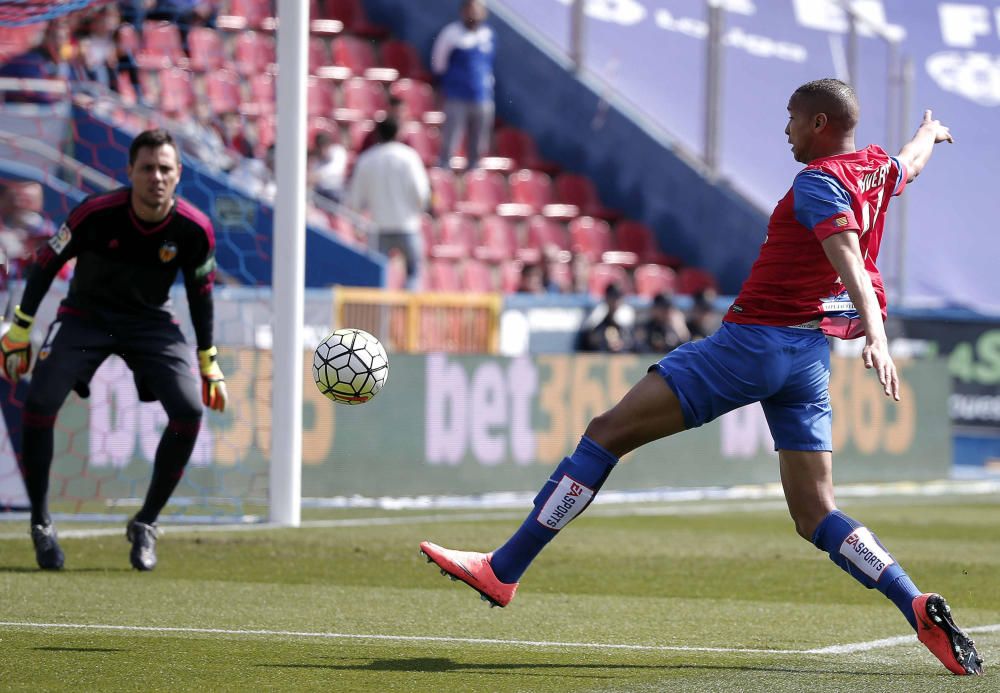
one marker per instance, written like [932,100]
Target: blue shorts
[786,369]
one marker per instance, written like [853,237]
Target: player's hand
[941,132]
[876,356]
[15,347]
[213,383]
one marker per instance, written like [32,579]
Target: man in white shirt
[390,183]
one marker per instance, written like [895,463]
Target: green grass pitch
[685,597]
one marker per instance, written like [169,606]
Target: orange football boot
[473,569]
[945,640]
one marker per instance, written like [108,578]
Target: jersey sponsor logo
[205,268]
[841,303]
[861,549]
[841,220]
[168,251]
[62,238]
[566,502]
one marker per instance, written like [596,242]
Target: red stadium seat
[530,188]
[591,237]
[652,279]
[691,280]
[205,49]
[442,275]
[477,277]
[484,191]
[222,87]
[574,189]
[602,275]
[544,238]
[426,140]
[319,98]
[262,93]
[358,55]
[443,193]
[318,124]
[361,99]
[420,99]
[254,53]
[403,57]
[319,54]
[161,46]
[510,275]
[456,237]
[498,240]
[357,132]
[352,14]
[265,135]
[247,14]
[520,147]
[638,238]
[176,93]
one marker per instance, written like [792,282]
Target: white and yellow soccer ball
[350,366]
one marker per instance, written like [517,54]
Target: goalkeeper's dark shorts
[154,349]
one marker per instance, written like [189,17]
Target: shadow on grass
[29,569]
[78,649]
[445,665]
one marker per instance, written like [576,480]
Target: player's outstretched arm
[844,253]
[915,153]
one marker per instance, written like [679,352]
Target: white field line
[624,511]
[833,649]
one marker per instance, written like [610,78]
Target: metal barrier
[422,322]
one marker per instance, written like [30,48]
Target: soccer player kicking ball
[815,276]
[129,245]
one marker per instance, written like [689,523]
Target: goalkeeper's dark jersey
[125,266]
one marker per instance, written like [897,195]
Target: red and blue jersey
[792,282]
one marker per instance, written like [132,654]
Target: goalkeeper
[129,245]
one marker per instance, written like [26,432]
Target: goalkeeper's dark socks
[172,454]
[566,494]
[35,462]
[854,548]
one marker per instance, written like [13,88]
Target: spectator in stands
[186,14]
[50,59]
[536,279]
[98,56]
[255,177]
[462,59]
[390,182]
[610,325]
[664,330]
[134,11]
[704,318]
[199,137]
[328,167]
[231,129]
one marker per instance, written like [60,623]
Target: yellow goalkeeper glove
[213,383]
[15,347]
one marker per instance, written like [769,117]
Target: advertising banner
[449,424]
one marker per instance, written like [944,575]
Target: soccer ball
[350,366]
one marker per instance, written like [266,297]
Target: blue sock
[565,495]
[854,548]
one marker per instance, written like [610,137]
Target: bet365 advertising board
[447,424]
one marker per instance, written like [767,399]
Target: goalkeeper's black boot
[47,551]
[143,538]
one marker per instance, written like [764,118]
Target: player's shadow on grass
[29,569]
[445,665]
[78,649]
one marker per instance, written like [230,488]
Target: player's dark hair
[152,139]
[834,98]
[387,129]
